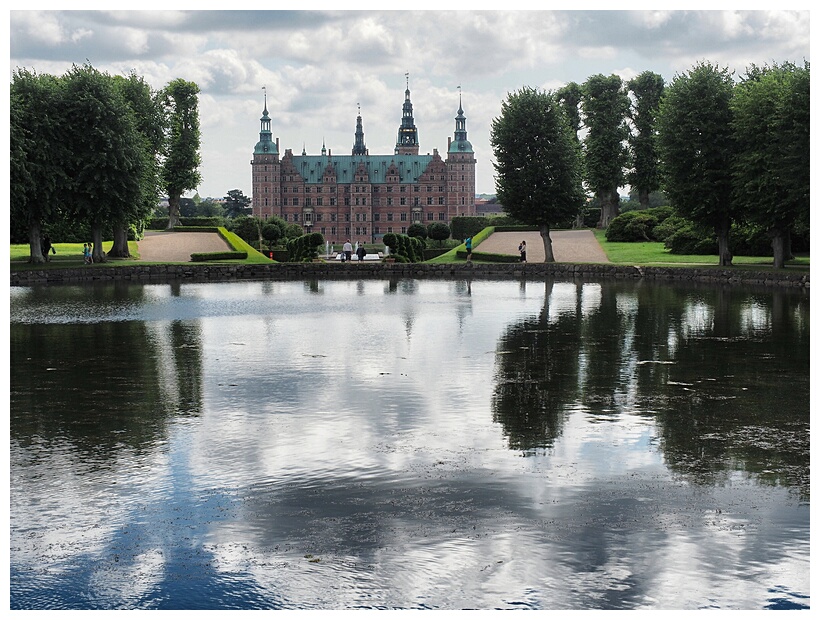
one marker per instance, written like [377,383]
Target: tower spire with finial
[408,140]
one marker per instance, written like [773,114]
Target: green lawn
[68,254]
[652,253]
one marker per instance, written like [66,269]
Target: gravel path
[568,246]
[177,247]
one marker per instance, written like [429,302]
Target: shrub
[639,225]
[632,226]
[690,239]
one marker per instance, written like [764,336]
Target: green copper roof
[312,167]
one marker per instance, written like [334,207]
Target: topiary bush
[305,248]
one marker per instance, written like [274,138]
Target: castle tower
[265,170]
[461,166]
[358,146]
[408,140]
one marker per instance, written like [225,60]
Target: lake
[409,444]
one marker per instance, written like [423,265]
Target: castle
[362,196]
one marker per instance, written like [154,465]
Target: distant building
[485,207]
[362,196]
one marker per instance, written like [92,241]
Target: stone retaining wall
[201,272]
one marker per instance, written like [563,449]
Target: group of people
[47,247]
[347,252]
[522,249]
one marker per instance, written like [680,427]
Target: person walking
[46,246]
[468,243]
[86,254]
[361,252]
[522,250]
[347,250]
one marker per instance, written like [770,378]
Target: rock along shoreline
[203,272]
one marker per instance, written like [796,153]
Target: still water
[409,444]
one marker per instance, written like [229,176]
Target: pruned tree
[107,157]
[771,171]
[180,169]
[696,144]
[37,148]
[538,162]
[605,105]
[148,117]
[644,176]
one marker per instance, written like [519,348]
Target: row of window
[358,202]
[360,231]
[360,217]
[290,176]
[361,202]
[330,189]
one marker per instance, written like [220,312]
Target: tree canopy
[538,164]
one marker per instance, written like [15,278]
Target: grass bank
[654,254]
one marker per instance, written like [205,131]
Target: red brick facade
[361,196]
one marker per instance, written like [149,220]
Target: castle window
[429,216]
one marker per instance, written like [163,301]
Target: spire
[408,140]
[358,146]
[266,143]
[460,144]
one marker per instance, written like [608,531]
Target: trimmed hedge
[199,257]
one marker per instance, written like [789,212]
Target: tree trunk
[780,249]
[545,237]
[609,207]
[35,235]
[120,247]
[724,254]
[643,198]
[97,253]
[173,211]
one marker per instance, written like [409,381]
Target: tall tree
[180,170]
[538,162]
[605,105]
[237,203]
[569,97]
[107,160]
[696,146]
[38,150]
[771,170]
[148,117]
[644,176]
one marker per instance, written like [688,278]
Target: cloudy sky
[319,67]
